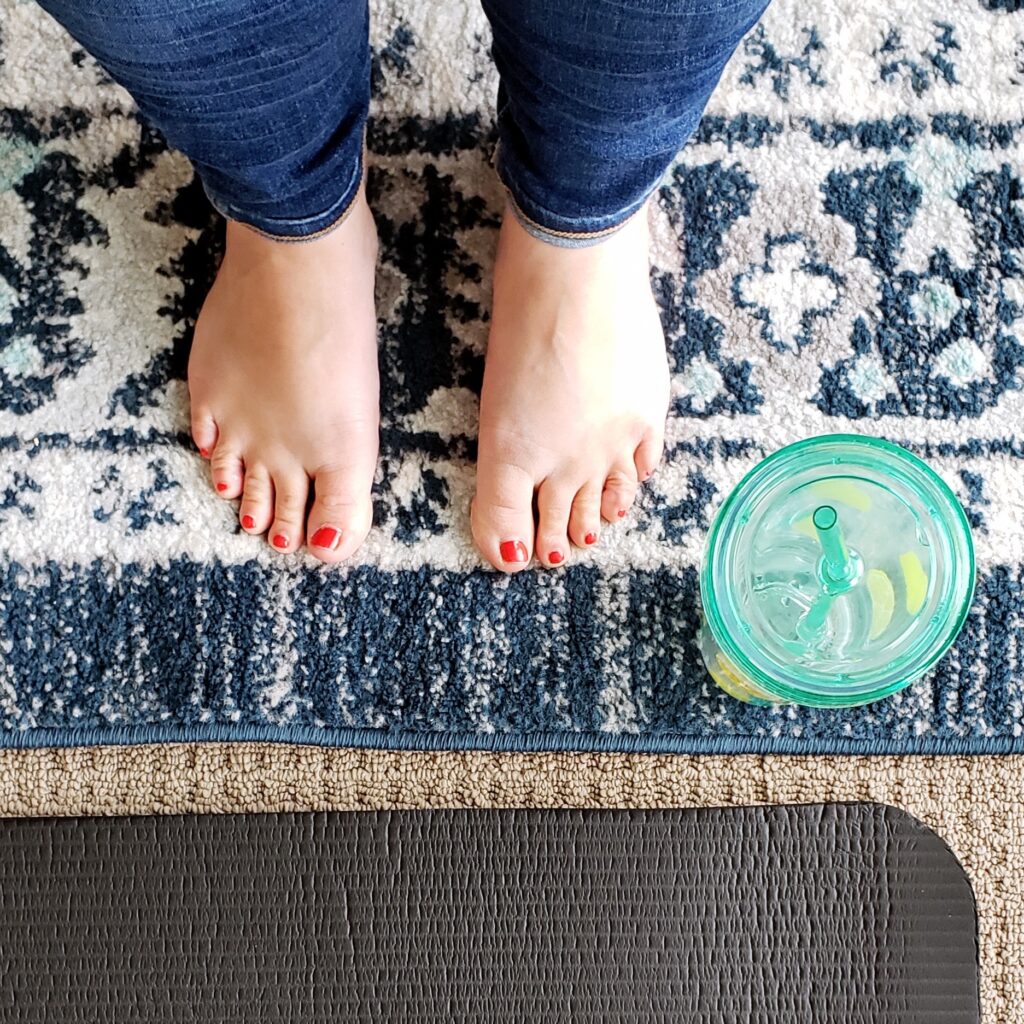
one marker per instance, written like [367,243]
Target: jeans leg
[596,99]
[268,98]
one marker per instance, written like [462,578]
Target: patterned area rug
[840,247]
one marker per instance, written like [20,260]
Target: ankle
[356,228]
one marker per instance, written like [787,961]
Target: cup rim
[789,690]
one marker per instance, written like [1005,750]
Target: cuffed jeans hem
[301,229]
[566,232]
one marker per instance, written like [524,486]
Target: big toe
[502,515]
[341,515]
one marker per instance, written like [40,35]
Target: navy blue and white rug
[839,248]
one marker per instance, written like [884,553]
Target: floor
[973,803]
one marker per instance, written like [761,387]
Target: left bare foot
[283,380]
[575,393]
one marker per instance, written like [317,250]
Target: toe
[502,514]
[554,502]
[227,471]
[204,431]
[619,491]
[257,508]
[341,515]
[291,489]
[648,455]
[585,516]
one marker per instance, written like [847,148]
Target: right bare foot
[284,385]
[576,387]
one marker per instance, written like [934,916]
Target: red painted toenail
[248,522]
[326,537]
[280,540]
[555,557]
[622,513]
[222,486]
[513,551]
[205,452]
[591,538]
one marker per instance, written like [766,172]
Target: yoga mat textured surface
[839,248]
[836,913]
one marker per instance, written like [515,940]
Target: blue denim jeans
[269,98]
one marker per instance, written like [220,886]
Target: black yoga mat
[843,913]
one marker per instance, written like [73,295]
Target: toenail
[205,452]
[222,486]
[622,513]
[280,540]
[326,537]
[591,538]
[555,557]
[513,551]
[248,522]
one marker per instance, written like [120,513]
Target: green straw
[837,562]
[837,558]
[814,618]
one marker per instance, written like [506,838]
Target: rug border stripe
[374,739]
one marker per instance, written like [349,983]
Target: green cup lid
[838,570]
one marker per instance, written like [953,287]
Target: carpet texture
[839,248]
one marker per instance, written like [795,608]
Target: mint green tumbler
[838,571]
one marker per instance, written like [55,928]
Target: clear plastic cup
[838,571]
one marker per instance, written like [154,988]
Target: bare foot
[284,386]
[575,393]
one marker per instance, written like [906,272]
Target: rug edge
[582,742]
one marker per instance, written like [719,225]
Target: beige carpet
[975,804]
